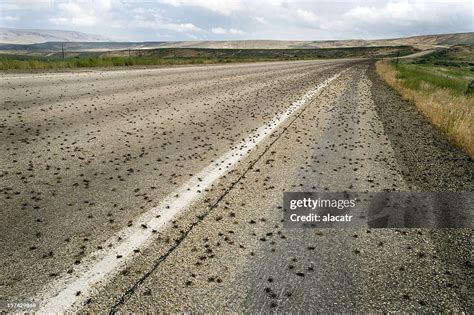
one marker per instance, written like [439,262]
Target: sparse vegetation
[179,56]
[440,88]
[89,62]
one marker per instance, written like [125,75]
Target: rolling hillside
[34,36]
[50,40]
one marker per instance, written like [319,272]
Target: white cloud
[225,7]
[234,31]
[219,30]
[192,36]
[223,31]
[106,5]
[401,11]
[406,18]
[84,12]
[24,4]
[180,27]
[307,16]
[156,22]
[10,18]
[74,14]
[261,19]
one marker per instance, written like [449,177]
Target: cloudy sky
[137,20]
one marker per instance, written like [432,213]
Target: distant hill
[435,40]
[34,36]
[421,42]
[50,40]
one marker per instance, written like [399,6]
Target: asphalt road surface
[161,190]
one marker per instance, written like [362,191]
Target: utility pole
[398,54]
[62,50]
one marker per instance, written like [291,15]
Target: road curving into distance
[86,156]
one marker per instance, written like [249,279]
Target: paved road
[86,155]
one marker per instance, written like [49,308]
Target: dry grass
[450,112]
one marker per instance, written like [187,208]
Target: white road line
[60,295]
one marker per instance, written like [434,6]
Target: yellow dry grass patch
[453,114]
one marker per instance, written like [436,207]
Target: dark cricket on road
[197,151]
